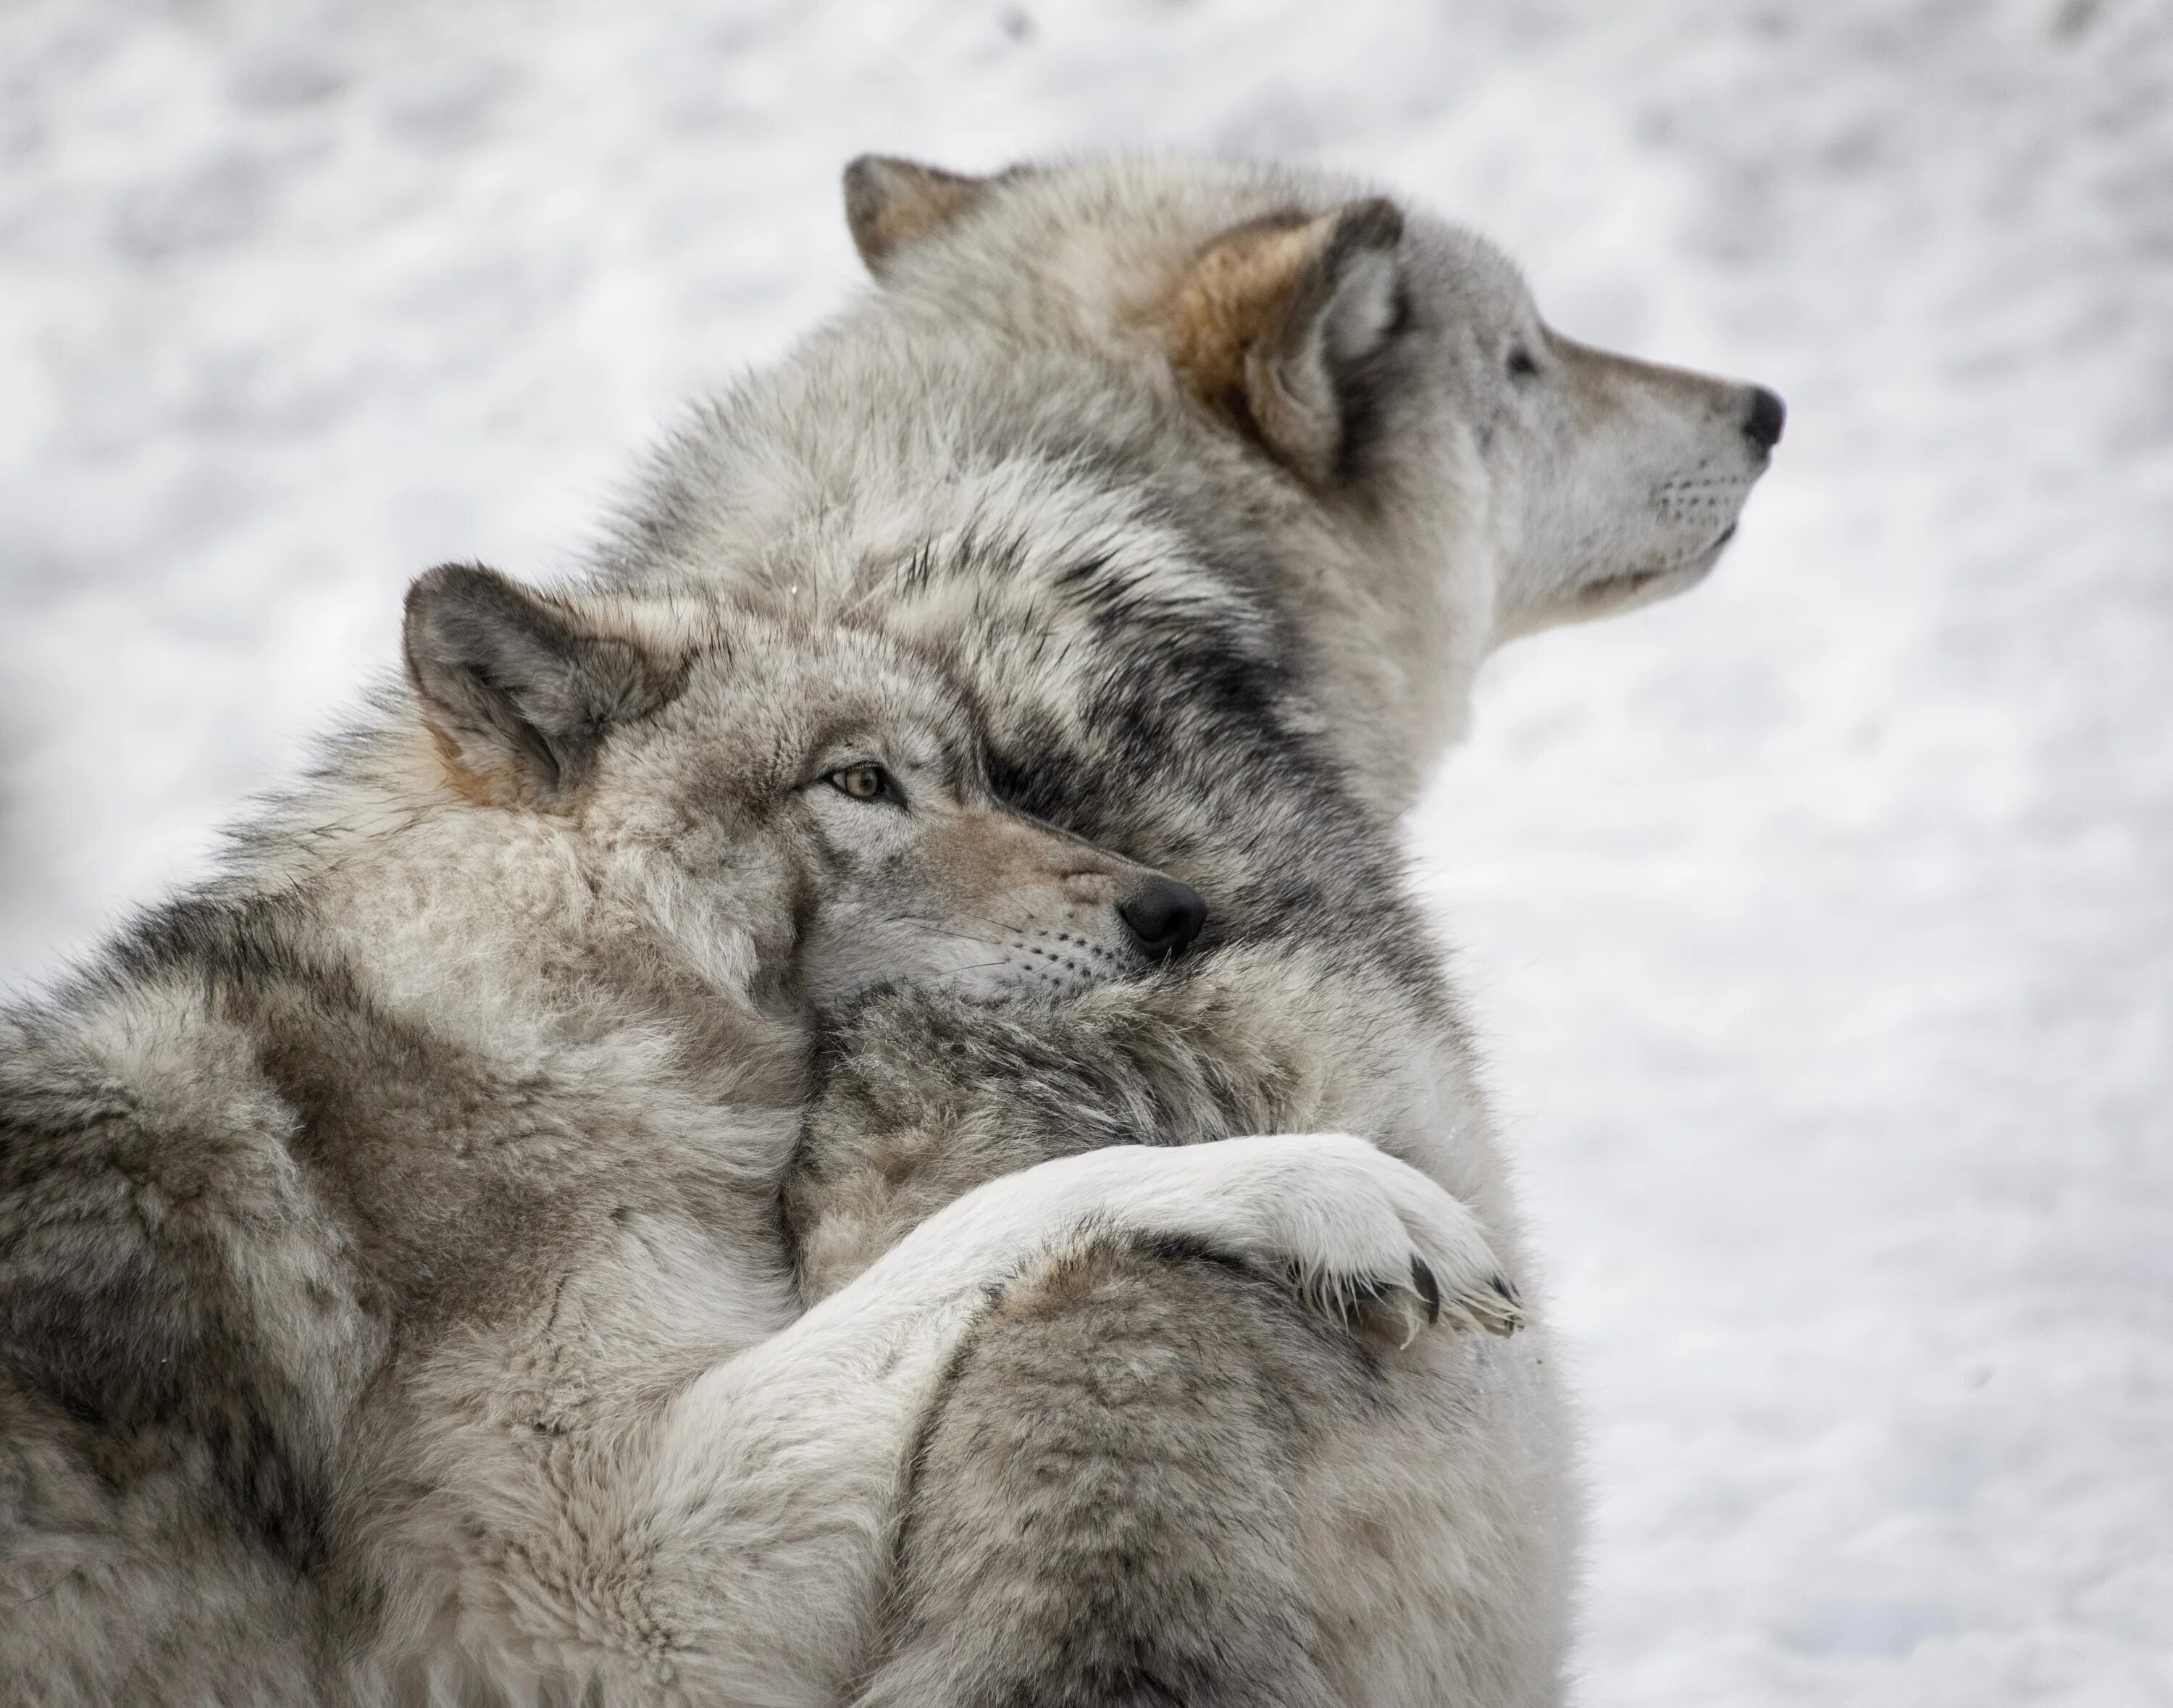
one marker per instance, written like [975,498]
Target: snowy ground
[1823,921]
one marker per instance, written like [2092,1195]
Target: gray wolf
[1221,480]
[396,1298]
[392,1301]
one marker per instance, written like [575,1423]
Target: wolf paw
[1401,1314]
[1361,1236]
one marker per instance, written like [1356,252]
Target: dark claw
[1501,1285]
[1429,1289]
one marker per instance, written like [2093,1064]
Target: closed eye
[866,783]
[1521,364]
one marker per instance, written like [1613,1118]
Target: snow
[1821,921]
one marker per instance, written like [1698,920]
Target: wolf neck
[1386,597]
[984,440]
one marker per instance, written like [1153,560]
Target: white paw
[1356,1232]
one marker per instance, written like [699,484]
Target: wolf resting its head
[809,801]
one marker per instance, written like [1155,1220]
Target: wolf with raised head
[1218,482]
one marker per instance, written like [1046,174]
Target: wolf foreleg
[735,1545]
[928,1097]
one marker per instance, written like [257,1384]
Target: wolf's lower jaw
[1612,588]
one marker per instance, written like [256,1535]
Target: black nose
[1163,917]
[1768,416]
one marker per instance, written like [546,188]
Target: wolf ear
[1276,318]
[891,204]
[518,693]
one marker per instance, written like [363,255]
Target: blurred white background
[1822,923]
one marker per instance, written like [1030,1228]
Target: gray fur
[1389,494]
[394,1301]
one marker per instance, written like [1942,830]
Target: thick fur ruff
[394,1301]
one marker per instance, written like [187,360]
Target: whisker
[977,966]
[936,930]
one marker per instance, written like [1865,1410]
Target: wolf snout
[1768,416]
[1164,917]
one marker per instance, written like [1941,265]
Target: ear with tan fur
[891,204]
[520,695]
[1274,317]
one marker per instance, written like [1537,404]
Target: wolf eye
[1521,364]
[864,782]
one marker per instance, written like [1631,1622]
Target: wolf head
[803,804]
[1384,360]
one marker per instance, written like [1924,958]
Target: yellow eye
[862,782]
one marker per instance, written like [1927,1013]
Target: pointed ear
[1275,319]
[891,203]
[519,692]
